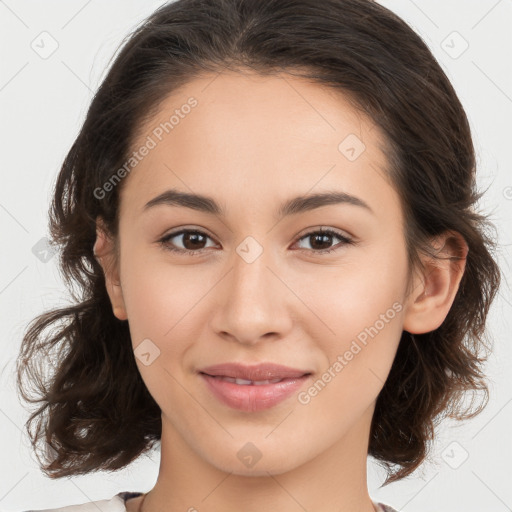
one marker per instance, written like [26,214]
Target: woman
[269,211]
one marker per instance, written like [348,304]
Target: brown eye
[192,240]
[320,241]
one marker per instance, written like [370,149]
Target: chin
[260,469]
[274,464]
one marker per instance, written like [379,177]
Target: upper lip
[263,371]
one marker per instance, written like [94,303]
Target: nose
[253,301]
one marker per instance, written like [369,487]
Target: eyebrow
[173,197]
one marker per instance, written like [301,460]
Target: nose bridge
[251,264]
[253,302]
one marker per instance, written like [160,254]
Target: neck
[335,480]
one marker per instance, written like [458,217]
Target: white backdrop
[53,56]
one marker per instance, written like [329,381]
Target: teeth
[244,382]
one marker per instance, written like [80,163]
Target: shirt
[117,504]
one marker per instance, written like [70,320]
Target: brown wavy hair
[95,411]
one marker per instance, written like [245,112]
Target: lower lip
[251,398]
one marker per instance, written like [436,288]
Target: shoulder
[386,508]
[115,504]
[382,507]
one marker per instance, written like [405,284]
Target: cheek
[167,304]
[341,300]
[156,293]
[353,296]
[358,361]
[360,308]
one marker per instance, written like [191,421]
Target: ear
[434,290]
[104,251]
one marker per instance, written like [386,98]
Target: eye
[323,237]
[193,241]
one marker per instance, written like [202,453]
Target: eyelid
[164,240]
[325,229]
[346,239]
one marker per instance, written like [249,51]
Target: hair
[96,412]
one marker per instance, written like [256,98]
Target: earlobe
[120,312]
[432,297]
[104,252]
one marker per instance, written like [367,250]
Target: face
[252,283]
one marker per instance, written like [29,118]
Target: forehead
[243,132]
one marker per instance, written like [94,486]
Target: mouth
[254,373]
[253,388]
[244,382]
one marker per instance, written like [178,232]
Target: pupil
[192,237]
[324,238]
[321,241]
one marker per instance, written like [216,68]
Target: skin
[251,143]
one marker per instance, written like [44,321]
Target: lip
[253,397]
[262,371]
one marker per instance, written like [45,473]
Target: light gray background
[43,103]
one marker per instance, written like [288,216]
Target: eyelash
[165,241]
